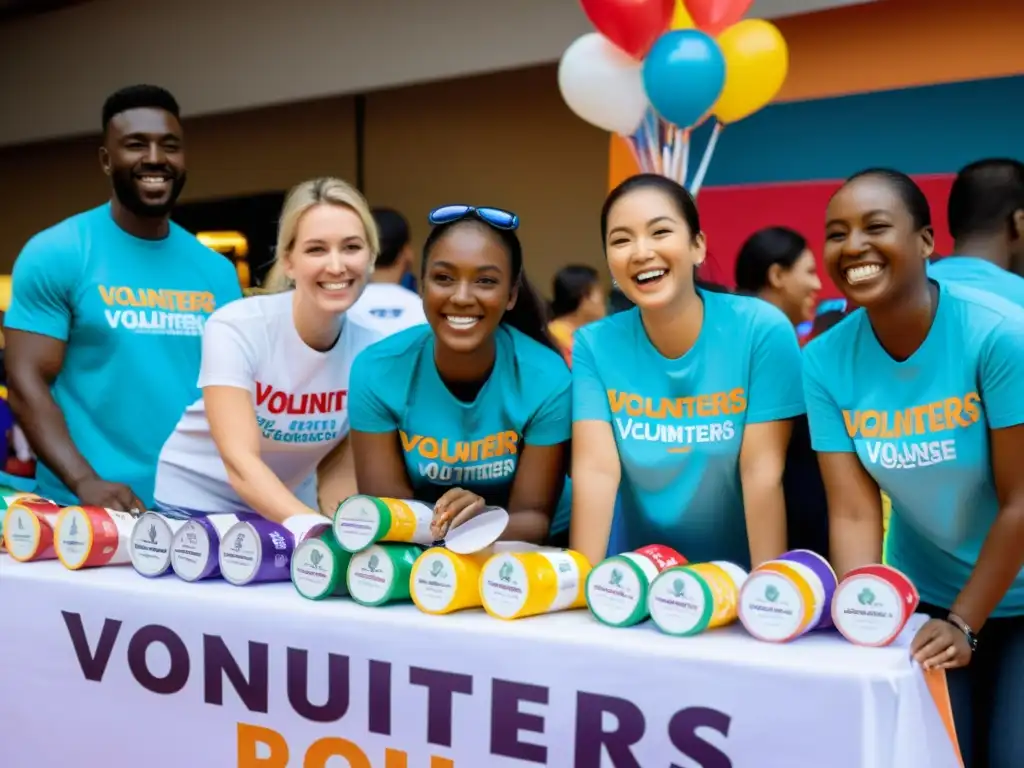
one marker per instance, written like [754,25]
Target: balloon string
[652,141]
[631,143]
[705,161]
[683,158]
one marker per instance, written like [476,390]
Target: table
[105,667]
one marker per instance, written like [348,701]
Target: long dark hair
[763,250]
[677,193]
[528,314]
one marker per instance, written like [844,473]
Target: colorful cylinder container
[873,604]
[381,573]
[443,581]
[302,527]
[319,567]
[151,542]
[28,529]
[617,588]
[784,599]
[361,521]
[90,537]
[691,599]
[514,585]
[195,550]
[256,550]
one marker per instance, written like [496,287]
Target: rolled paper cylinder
[780,601]
[28,529]
[256,550]
[873,604]
[443,581]
[515,585]
[151,541]
[89,537]
[617,588]
[824,571]
[381,574]
[690,599]
[361,521]
[319,567]
[303,527]
[195,551]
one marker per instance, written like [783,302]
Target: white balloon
[603,85]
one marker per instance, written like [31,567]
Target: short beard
[124,190]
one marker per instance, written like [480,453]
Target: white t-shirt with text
[300,396]
[389,308]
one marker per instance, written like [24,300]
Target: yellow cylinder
[514,585]
[445,582]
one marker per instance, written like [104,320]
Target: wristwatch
[963,626]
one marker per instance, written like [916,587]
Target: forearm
[764,504]
[854,540]
[593,509]
[44,426]
[529,525]
[263,492]
[999,562]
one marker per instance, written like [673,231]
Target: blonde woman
[275,371]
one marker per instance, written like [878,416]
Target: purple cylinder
[195,549]
[255,550]
[821,568]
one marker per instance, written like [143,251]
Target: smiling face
[874,251]
[797,287]
[330,257]
[143,153]
[651,250]
[468,285]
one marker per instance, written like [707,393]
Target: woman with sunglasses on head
[473,409]
[275,369]
[683,404]
[918,393]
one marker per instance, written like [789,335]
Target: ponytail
[528,315]
[276,281]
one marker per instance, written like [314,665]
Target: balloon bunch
[657,69]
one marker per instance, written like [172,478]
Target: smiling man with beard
[108,309]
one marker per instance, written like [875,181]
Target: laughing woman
[683,404]
[275,369]
[473,409]
[918,393]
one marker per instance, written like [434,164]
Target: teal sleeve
[367,411]
[43,283]
[552,423]
[825,418]
[775,390]
[1001,375]
[589,396]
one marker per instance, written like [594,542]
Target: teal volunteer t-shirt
[981,275]
[679,423]
[132,313]
[395,387]
[920,428]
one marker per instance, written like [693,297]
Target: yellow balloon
[681,18]
[756,63]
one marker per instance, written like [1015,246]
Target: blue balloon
[683,75]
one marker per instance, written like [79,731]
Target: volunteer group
[694,419]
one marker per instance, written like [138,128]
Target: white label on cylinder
[303,526]
[568,574]
[151,542]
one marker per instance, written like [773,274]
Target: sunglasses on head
[496,217]
[831,305]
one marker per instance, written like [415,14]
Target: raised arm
[36,330]
[596,469]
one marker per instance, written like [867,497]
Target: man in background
[386,304]
[104,330]
[986,220]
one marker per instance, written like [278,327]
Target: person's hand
[940,645]
[99,493]
[453,509]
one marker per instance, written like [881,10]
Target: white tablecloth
[258,676]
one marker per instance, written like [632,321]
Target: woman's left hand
[940,645]
[454,508]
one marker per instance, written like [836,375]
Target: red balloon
[714,16]
[633,25]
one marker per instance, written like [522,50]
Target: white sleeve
[229,357]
